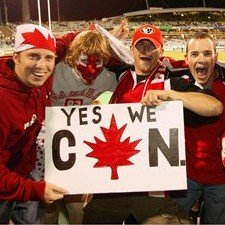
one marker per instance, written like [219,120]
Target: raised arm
[63,43]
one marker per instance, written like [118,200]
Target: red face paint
[89,67]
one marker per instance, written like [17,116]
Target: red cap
[150,33]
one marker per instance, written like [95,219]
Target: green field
[180,55]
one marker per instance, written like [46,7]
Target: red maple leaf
[113,152]
[36,38]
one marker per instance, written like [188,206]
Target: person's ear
[132,49]
[216,57]
[162,51]
[16,57]
[186,58]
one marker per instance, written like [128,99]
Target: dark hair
[200,35]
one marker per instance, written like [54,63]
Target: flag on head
[30,36]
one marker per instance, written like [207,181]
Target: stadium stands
[176,27]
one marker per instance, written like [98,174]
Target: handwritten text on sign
[116,148]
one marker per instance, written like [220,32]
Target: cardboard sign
[116,148]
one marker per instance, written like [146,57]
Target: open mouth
[147,59]
[201,71]
[39,74]
[90,77]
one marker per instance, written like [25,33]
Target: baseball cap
[30,36]
[150,33]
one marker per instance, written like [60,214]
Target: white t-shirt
[69,89]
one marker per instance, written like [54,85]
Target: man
[205,171]
[146,82]
[24,94]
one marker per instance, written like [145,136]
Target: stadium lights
[39,12]
[49,14]
[58,14]
[6,12]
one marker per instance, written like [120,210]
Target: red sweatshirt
[203,146]
[22,112]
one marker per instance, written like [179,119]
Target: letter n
[156,142]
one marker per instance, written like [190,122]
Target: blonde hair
[88,43]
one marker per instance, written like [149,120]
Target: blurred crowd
[175,33]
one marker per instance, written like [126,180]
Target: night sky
[95,9]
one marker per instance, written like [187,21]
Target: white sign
[116,148]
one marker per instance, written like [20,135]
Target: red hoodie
[22,112]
